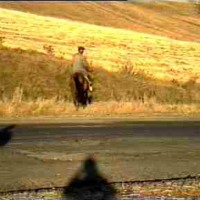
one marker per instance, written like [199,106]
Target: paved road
[40,155]
[49,132]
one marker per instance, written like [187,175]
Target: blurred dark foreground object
[89,184]
[6,134]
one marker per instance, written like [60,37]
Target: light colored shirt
[80,64]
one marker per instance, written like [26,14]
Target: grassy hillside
[43,76]
[34,71]
[174,20]
[133,72]
[109,48]
[34,83]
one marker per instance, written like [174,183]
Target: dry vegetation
[174,20]
[133,72]
[34,84]
[110,48]
[53,107]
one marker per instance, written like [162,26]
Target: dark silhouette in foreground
[80,90]
[88,184]
[6,135]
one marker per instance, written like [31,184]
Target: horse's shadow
[6,134]
[89,184]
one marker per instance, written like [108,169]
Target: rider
[81,65]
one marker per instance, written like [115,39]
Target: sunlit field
[133,72]
[174,20]
[111,48]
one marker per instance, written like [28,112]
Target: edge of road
[73,119]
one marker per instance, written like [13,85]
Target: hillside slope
[175,20]
[32,76]
[110,48]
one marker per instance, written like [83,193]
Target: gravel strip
[182,189]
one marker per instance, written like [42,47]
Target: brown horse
[80,90]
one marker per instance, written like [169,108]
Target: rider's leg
[89,77]
[89,81]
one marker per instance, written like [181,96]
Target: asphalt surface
[30,133]
[43,155]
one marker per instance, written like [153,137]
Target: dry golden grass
[174,20]
[16,107]
[110,48]
[32,75]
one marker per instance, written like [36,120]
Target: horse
[80,90]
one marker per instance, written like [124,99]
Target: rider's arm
[86,64]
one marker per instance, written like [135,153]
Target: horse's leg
[86,97]
[77,107]
[85,92]
[76,100]
[84,102]
[76,104]
[78,91]
[74,92]
[90,98]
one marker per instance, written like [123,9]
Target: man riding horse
[81,82]
[80,65]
